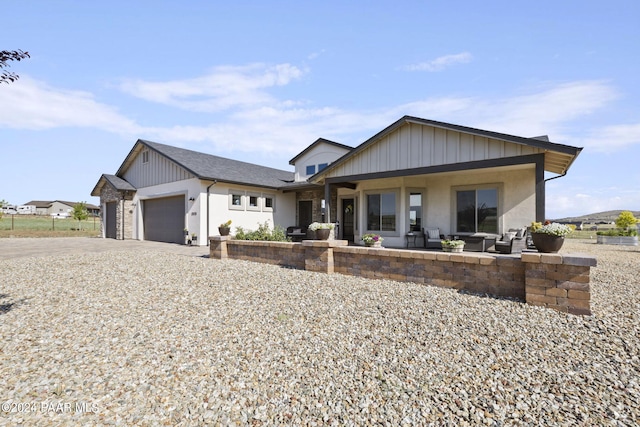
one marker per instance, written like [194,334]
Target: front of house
[414,174]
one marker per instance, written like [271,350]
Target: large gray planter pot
[323,233]
[547,243]
[618,240]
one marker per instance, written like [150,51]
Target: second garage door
[164,219]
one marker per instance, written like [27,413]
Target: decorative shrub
[554,229]
[264,233]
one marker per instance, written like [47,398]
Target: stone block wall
[559,282]
[474,272]
[278,253]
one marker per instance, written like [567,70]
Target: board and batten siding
[158,170]
[415,146]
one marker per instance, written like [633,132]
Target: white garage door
[164,219]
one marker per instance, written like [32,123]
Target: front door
[305,213]
[348,215]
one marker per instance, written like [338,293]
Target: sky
[259,81]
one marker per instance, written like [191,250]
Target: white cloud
[31,104]
[545,110]
[441,62]
[614,138]
[226,87]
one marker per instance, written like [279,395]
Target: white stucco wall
[221,210]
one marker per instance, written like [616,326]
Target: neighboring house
[415,173]
[60,207]
[42,206]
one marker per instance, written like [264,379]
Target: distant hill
[607,216]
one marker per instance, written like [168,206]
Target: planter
[373,244]
[618,240]
[456,249]
[322,233]
[224,231]
[547,243]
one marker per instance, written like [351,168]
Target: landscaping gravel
[152,338]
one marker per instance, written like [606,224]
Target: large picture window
[381,212]
[477,211]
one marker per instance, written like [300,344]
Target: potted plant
[322,229]
[225,228]
[372,240]
[549,238]
[186,232]
[194,237]
[452,245]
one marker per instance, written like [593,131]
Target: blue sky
[259,81]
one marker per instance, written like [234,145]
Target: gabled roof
[116,182]
[558,157]
[213,168]
[39,204]
[315,144]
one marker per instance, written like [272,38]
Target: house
[58,207]
[415,173]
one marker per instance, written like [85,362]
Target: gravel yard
[147,337]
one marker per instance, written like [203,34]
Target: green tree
[626,220]
[80,213]
[10,55]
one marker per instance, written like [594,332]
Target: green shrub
[264,233]
[618,232]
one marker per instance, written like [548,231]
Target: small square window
[269,203]
[236,201]
[311,169]
[253,201]
[322,166]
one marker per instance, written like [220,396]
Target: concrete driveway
[52,246]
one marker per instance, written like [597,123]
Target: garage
[164,219]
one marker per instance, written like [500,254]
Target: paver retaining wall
[560,282]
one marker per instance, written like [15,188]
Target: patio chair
[432,237]
[512,242]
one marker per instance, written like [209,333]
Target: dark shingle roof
[210,167]
[119,183]
[116,182]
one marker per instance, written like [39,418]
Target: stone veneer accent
[123,228]
[560,282]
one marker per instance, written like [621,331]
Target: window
[311,169]
[145,156]
[322,166]
[253,202]
[415,211]
[236,201]
[269,203]
[477,211]
[381,212]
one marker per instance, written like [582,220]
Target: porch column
[540,190]
[327,201]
